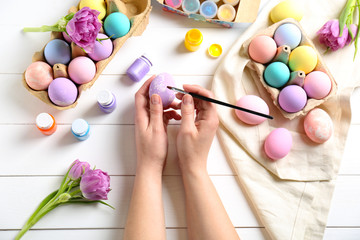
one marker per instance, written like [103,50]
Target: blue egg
[57,51]
[277,74]
[288,34]
[117,25]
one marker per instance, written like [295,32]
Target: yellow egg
[303,58]
[287,9]
[96,5]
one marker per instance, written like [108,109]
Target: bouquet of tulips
[80,185]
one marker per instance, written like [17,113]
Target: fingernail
[187,99]
[155,99]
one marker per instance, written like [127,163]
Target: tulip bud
[78,169]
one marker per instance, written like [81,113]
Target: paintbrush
[219,102]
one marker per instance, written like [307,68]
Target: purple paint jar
[106,101]
[139,68]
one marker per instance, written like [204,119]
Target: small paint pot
[208,9]
[226,13]
[80,129]
[231,2]
[173,3]
[46,123]
[193,40]
[139,68]
[106,101]
[190,6]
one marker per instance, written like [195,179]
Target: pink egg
[317,84]
[103,49]
[254,103]
[159,86]
[82,70]
[292,98]
[278,143]
[62,92]
[318,125]
[262,49]
[39,75]
[66,37]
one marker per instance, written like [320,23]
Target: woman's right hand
[196,133]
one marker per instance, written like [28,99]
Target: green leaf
[84,200]
[358,29]
[42,204]
[346,15]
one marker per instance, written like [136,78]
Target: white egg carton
[137,11]
[296,76]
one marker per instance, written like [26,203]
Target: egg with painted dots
[318,125]
[159,86]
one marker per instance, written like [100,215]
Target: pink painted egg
[317,84]
[278,143]
[318,125]
[82,70]
[102,49]
[262,49]
[254,103]
[39,75]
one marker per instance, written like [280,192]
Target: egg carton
[137,11]
[295,77]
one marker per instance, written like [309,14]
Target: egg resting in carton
[137,11]
[295,78]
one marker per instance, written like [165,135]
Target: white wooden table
[31,164]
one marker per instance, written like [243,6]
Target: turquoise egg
[117,25]
[276,74]
[288,34]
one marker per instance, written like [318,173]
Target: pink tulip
[78,169]
[95,184]
[329,35]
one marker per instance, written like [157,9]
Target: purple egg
[159,86]
[62,92]
[103,49]
[292,98]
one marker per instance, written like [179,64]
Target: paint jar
[193,40]
[139,68]
[231,2]
[173,3]
[226,13]
[208,9]
[80,129]
[46,123]
[190,6]
[106,101]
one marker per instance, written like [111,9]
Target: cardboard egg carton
[246,12]
[137,11]
[295,77]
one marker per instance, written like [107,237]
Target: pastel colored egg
[287,9]
[117,25]
[62,92]
[82,70]
[292,98]
[278,143]
[276,74]
[102,49]
[254,103]
[288,34]
[57,51]
[262,49]
[159,86]
[317,84]
[98,5]
[173,3]
[39,75]
[66,37]
[318,125]
[303,58]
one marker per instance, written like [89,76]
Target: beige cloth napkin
[291,196]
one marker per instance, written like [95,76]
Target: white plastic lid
[44,121]
[105,97]
[226,13]
[79,127]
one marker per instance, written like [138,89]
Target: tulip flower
[79,177]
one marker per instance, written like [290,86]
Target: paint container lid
[208,9]
[190,6]
[173,3]
[226,13]
[231,2]
[80,127]
[44,121]
[215,50]
[105,97]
